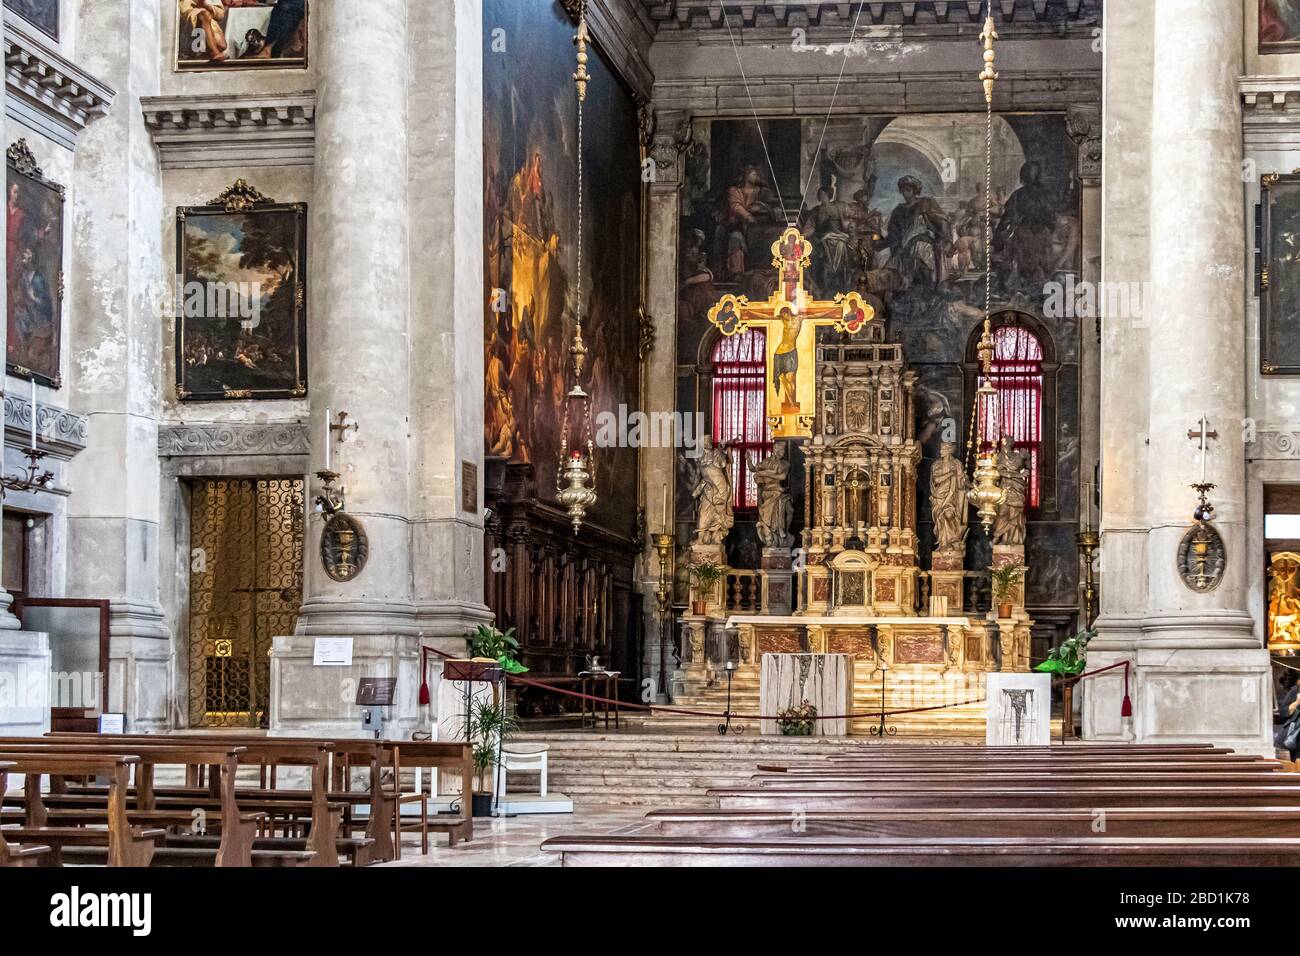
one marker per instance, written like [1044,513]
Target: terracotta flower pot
[1004,611]
[699,608]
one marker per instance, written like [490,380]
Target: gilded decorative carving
[1202,557]
[344,547]
[239,196]
[20,154]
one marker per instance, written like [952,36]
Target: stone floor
[514,841]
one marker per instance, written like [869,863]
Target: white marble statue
[1009,525]
[712,494]
[775,506]
[948,501]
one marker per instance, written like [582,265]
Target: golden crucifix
[790,318]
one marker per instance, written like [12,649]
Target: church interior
[593,431]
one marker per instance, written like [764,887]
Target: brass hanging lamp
[986,492]
[575,477]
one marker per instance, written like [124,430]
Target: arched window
[1017,374]
[740,407]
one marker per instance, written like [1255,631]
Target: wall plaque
[469,487]
[1202,557]
[344,547]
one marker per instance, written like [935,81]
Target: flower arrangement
[797,721]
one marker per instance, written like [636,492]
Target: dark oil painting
[531,255]
[34,267]
[241,34]
[241,302]
[1279,26]
[42,14]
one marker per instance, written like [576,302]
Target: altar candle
[327,439]
[664,513]
[33,414]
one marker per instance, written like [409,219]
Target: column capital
[667,136]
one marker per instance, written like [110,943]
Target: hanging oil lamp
[575,478]
[986,492]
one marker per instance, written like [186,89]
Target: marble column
[447,299]
[360,347]
[659,371]
[1201,672]
[117,297]
[1128,49]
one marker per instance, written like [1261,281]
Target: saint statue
[713,494]
[948,500]
[1009,525]
[775,507]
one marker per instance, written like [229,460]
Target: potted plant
[1069,658]
[705,576]
[1005,579]
[488,643]
[490,726]
[797,721]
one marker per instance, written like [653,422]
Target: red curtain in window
[740,406]
[1017,374]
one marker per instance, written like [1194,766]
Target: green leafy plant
[490,725]
[486,641]
[797,721]
[1005,579]
[706,575]
[1070,657]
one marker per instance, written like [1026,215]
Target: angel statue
[713,494]
[948,500]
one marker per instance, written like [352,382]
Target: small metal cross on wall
[1202,436]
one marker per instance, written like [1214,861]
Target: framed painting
[241,34]
[1279,26]
[34,269]
[241,299]
[1278,274]
[42,14]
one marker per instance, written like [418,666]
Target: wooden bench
[654,850]
[14,854]
[313,808]
[124,844]
[907,822]
[434,755]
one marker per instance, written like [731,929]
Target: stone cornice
[284,438]
[233,130]
[46,92]
[678,19]
[723,96]
[1270,111]
[60,432]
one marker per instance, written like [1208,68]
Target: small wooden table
[596,681]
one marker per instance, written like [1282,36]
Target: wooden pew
[329,809]
[1036,821]
[126,845]
[14,855]
[433,755]
[237,828]
[654,850]
[1078,781]
[319,848]
[1007,797]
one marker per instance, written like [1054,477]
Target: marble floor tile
[514,841]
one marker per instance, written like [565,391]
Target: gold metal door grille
[245,588]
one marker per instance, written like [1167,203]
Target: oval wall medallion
[344,547]
[1202,557]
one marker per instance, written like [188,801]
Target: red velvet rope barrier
[1126,707]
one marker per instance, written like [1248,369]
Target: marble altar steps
[904,690]
[665,769]
[951,805]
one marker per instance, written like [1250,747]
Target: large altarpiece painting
[1277,274]
[34,267]
[241,323]
[42,14]
[1279,26]
[895,211]
[241,34]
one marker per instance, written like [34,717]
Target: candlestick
[33,414]
[328,437]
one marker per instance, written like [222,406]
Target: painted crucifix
[790,319]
